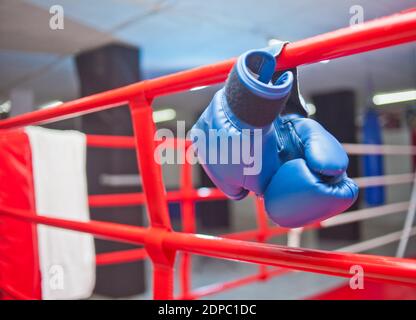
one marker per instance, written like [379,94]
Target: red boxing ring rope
[160,242]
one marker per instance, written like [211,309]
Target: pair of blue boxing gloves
[255,136]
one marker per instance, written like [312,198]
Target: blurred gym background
[109,43]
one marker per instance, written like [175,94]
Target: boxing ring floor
[167,249]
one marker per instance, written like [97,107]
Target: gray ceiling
[182,34]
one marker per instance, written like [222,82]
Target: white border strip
[364,149]
[376,242]
[364,214]
[384,180]
[407,227]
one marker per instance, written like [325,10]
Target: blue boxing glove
[311,184]
[244,145]
[233,145]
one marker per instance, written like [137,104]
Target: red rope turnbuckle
[160,242]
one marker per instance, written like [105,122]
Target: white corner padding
[67,258]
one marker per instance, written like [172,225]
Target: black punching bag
[336,112]
[112,170]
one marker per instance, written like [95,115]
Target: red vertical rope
[189,224]
[158,214]
[262,232]
[163,282]
[150,171]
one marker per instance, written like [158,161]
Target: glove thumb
[323,153]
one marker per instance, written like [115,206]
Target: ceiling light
[198,88]
[273,42]
[164,115]
[394,97]
[311,108]
[50,104]
[5,106]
